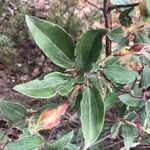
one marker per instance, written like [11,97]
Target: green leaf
[144,9]
[145,140]
[145,77]
[119,74]
[120,2]
[2,134]
[129,100]
[88,49]
[130,116]
[80,79]
[77,104]
[98,83]
[142,116]
[142,36]
[25,143]
[47,87]
[71,146]
[21,124]
[61,143]
[123,42]
[147,120]
[94,147]
[110,100]
[147,2]
[12,111]
[53,40]
[112,61]
[115,129]
[92,115]
[122,109]
[124,18]
[116,34]
[128,132]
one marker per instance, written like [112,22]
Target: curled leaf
[124,18]
[50,85]
[50,118]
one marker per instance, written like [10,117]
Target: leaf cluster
[92,84]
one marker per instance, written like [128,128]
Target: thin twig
[134,83]
[132,94]
[102,62]
[94,5]
[110,146]
[140,127]
[74,93]
[51,133]
[123,6]
[101,140]
[70,119]
[108,24]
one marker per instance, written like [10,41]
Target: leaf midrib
[54,45]
[20,114]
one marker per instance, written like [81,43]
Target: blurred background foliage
[74,16]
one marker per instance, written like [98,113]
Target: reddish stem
[108,23]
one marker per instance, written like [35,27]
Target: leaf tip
[15,88]
[27,17]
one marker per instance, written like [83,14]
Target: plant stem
[74,93]
[102,62]
[135,125]
[108,23]
[107,8]
[101,140]
[110,146]
[94,5]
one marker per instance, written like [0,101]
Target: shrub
[92,84]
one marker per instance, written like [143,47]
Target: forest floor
[30,63]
